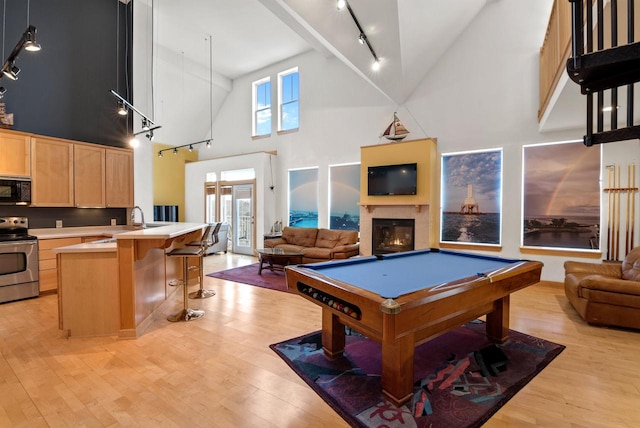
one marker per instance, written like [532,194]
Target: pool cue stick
[633,200]
[618,214]
[613,215]
[609,246]
[626,211]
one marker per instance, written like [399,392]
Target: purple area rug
[249,275]
[461,379]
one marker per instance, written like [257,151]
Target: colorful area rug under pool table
[462,379]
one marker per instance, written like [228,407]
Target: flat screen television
[386,180]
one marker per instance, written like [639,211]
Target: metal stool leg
[186,314]
[202,293]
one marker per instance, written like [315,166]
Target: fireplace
[392,235]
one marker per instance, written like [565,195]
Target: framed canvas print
[471,197]
[303,197]
[344,193]
[561,196]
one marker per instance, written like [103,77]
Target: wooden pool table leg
[498,321]
[333,335]
[397,363]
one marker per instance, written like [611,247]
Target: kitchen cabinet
[119,178]
[15,154]
[75,174]
[88,176]
[47,269]
[52,172]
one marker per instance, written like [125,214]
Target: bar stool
[187,313]
[208,239]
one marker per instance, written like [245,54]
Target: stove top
[15,229]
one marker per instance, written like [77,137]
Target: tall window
[262,107]
[288,100]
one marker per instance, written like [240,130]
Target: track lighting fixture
[2,91]
[27,42]
[189,146]
[148,126]
[362,38]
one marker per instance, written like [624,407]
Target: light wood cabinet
[75,174]
[47,268]
[52,172]
[119,178]
[89,176]
[88,297]
[15,154]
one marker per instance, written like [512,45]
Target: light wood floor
[219,371]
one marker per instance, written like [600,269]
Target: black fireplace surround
[392,235]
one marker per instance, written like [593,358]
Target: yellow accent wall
[168,176]
[422,152]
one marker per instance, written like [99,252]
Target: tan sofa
[317,245]
[606,294]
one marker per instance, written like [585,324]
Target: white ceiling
[409,36]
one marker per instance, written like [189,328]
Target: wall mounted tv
[386,180]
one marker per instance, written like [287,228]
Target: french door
[233,203]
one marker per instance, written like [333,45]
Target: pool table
[404,299]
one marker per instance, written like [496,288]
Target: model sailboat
[396,130]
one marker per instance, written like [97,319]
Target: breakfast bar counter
[88,279]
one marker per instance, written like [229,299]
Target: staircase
[605,72]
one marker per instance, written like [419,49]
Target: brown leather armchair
[606,294]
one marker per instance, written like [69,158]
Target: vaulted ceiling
[409,36]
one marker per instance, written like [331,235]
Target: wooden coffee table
[277,258]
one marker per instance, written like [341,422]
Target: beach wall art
[471,194]
[344,194]
[561,196]
[303,197]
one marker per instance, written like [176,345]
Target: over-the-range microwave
[15,191]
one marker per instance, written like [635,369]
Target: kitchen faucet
[133,217]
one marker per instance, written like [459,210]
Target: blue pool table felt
[397,274]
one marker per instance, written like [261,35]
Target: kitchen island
[115,286]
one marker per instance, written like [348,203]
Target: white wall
[482,94]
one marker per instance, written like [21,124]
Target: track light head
[122,109]
[362,38]
[175,151]
[2,91]
[10,70]
[160,154]
[145,124]
[208,144]
[149,135]
[133,142]
[190,147]
[341,4]
[375,66]
[30,43]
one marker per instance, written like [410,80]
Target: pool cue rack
[620,236]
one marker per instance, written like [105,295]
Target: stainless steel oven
[18,260]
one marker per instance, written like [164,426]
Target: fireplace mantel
[370,206]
